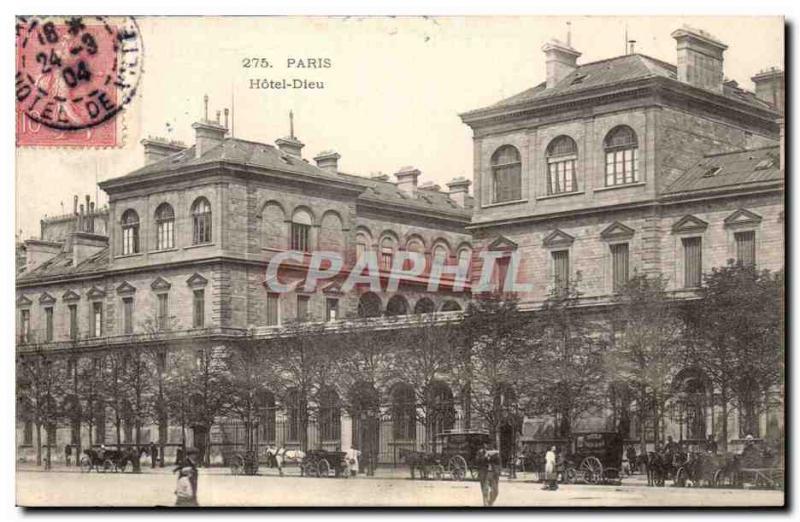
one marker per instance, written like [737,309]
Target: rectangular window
[361,249]
[130,240]
[745,247]
[165,235]
[622,166]
[300,234]
[331,309]
[273,309]
[561,176]
[199,308]
[507,183]
[48,324]
[127,315]
[162,316]
[386,258]
[97,319]
[561,271]
[73,321]
[24,326]
[692,262]
[501,272]
[302,307]
[619,265]
[27,434]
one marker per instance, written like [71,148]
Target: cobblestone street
[218,488]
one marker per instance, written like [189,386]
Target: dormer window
[562,154]
[506,174]
[130,232]
[622,156]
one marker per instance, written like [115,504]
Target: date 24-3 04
[291,63]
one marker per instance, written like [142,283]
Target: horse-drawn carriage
[757,465]
[320,463]
[454,455]
[244,463]
[107,460]
[594,458]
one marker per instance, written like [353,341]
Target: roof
[61,264]
[378,190]
[266,156]
[744,167]
[617,70]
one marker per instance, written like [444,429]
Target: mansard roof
[742,168]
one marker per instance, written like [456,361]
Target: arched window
[440,408]
[301,230]
[387,252]
[201,221]
[369,305]
[451,306]
[440,253]
[506,174]
[397,305]
[294,412]
[404,418]
[562,155]
[622,156]
[363,244]
[165,227]
[330,415]
[424,306]
[130,232]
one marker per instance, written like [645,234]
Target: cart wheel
[108,466]
[86,464]
[323,468]
[438,472]
[126,466]
[457,467]
[309,469]
[592,470]
[680,478]
[570,476]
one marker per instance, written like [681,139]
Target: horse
[277,457]
[656,467]
[418,460]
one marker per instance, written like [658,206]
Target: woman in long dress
[550,476]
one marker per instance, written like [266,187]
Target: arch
[506,165]
[622,156]
[331,232]
[404,412]
[424,306]
[690,402]
[130,232]
[441,247]
[201,221]
[562,156]
[363,242]
[415,243]
[369,305]
[388,247]
[303,216]
[273,225]
[330,414]
[165,226]
[397,305]
[451,306]
[440,407]
[265,411]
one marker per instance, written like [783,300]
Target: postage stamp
[74,77]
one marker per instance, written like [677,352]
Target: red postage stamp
[74,78]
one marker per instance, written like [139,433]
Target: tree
[647,345]
[114,371]
[495,337]
[40,388]
[424,356]
[563,375]
[735,330]
[208,380]
[178,388]
[91,392]
[248,370]
[138,385]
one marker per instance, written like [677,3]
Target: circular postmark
[76,72]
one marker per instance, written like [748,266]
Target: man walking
[488,462]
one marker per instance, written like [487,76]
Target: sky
[392,95]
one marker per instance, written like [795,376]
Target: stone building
[631,164]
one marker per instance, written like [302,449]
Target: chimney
[289,144]
[770,87]
[407,180]
[156,149]
[459,190]
[75,205]
[328,160]
[430,185]
[38,251]
[699,58]
[85,245]
[561,59]
[208,134]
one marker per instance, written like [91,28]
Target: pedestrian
[68,454]
[351,457]
[711,445]
[488,462]
[153,455]
[550,476]
[631,453]
[186,486]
